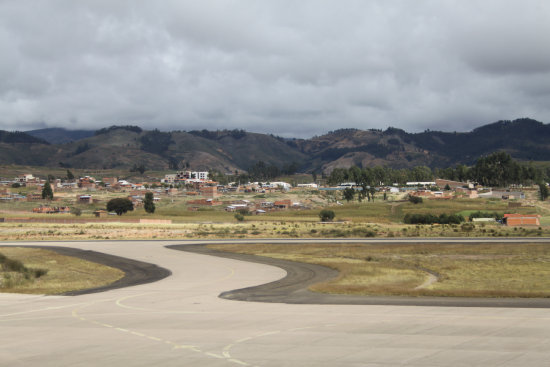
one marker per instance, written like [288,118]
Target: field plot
[61,273]
[459,270]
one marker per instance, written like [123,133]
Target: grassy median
[56,273]
[462,270]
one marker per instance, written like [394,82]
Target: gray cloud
[285,67]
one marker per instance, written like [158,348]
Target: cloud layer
[284,67]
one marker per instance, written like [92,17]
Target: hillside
[524,139]
[231,150]
[56,135]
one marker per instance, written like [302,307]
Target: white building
[421,183]
[308,185]
[25,177]
[280,184]
[192,176]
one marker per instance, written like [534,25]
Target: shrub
[13,265]
[40,272]
[415,199]
[326,215]
[431,219]
[243,211]
[239,217]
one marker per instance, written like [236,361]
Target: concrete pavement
[180,321]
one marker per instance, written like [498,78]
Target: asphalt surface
[180,321]
[135,272]
[293,288]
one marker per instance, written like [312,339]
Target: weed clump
[14,272]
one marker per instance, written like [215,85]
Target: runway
[181,321]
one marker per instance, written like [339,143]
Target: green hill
[230,150]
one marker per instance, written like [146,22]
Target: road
[181,321]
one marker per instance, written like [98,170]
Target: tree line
[496,169]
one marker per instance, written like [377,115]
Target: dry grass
[464,270]
[64,274]
[252,227]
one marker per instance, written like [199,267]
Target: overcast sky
[292,68]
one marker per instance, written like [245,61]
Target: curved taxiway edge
[135,272]
[293,288]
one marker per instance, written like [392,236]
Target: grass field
[64,273]
[463,270]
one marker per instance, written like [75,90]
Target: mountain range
[231,150]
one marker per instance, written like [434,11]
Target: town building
[109,181]
[191,176]
[85,199]
[453,185]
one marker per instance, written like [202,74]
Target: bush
[13,265]
[415,199]
[431,219]
[239,217]
[326,215]
[76,211]
[40,272]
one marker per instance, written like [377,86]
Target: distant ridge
[238,150]
[57,135]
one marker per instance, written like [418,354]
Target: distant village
[203,192]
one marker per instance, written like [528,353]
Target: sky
[291,68]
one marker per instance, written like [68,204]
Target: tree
[141,168]
[47,192]
[148,203]
[120,205]
[372,192]
[349,193]
[326,215]
[70,175]
[543,190]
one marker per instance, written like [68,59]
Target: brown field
[461,270]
